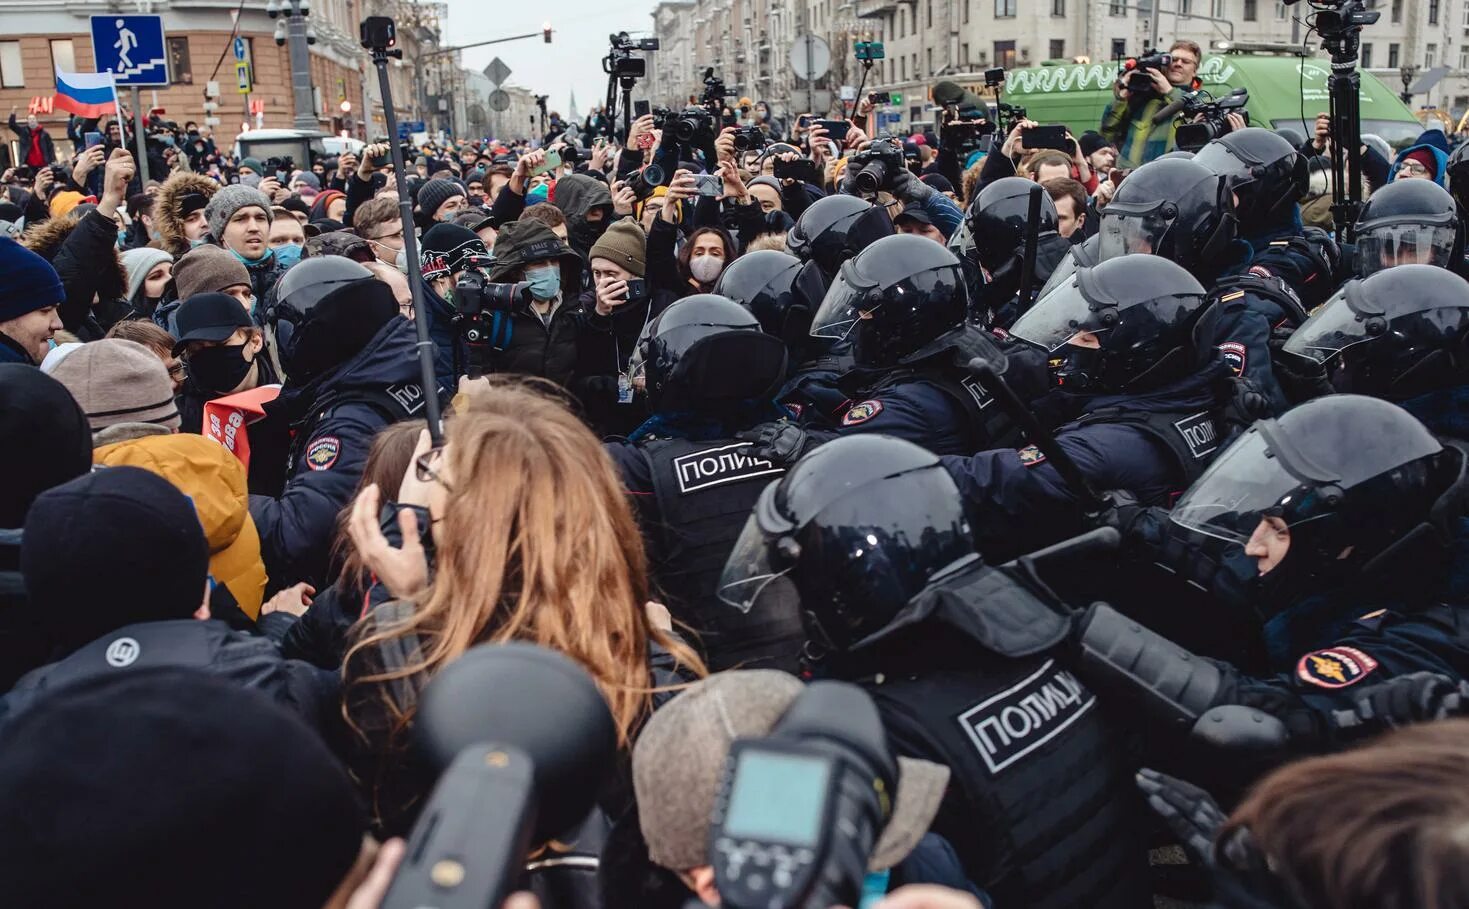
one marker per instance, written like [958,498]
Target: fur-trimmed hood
[46,239]
[166,207]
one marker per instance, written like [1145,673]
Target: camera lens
[871,177]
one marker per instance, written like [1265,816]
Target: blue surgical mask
[545,283]
[197,242]
[289,254]
[249,262]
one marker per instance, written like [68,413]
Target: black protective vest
[986,425]
[703,492]
[1041,807]
[394,402]
[1192,438]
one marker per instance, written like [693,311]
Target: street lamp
[294,30]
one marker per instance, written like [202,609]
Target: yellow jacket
[204,471]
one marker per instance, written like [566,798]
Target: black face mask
[589,232]
[219,369]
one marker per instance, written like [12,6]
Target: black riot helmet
[1176,209]
[997,222]
[834,229]
[1399,333]
[1081,255]
[326,310]
[1263,170]
[859,526]
[1457,171]
[706,352]
[895,297]
[1145,321]
[782,292]
[1408,222]
[1354,481]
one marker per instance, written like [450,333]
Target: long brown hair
[686,252]
[538,543]
[387,460]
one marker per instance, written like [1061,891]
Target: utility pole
[294,30]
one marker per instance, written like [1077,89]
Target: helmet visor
[1335,326]
[1404,244]
[750,568]
[841,308]
[1229,500]
[1222,160]
[1125,232]
[1056,317]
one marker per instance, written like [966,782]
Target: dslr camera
[645,181]
[877,166]
[1138,80]
[1193,136]
[692,125]
[483,312]
[750,138]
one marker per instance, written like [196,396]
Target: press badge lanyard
[624,377]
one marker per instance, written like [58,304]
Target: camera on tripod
[620,62]
[878,165]
[1139,82]
[1192,136]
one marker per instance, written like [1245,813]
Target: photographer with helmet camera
[1145,86]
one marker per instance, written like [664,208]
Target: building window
[1217,9]
[1058,8]
[1366,56]
[1397,11]
[1005,54]
[1185,7]
[12,73]
[1119,48]
[1005,9]
[930,13]
[1250,11]
[1117,9]
[1466,15]
[964,55]
[63,55]
[1058,48]
[929,61]
[1430,56]
[966,11]
[1145,8]
[1464,57]
[180,70]
[1392,56]
[903,69]
[1279,10]
[902,14]
[1433,12]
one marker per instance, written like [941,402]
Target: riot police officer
[1123,345]
[1409,222]
[836,228]
[348,357]
[708,372]
[999,223]
[870,532]
[1184,212]
[783,294]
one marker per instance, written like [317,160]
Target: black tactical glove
[780,442]
[1301,379]
[1190,813]
[1419,697]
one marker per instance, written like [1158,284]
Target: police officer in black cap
[348,358]
[1143,394]
[1182,211]
[998,222]
[872,535]
[708,372]
[836,228]
[783,294]
[1410,222]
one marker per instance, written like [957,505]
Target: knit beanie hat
[63,202]
[447,247]
[254,164]
[623,244]
[138,262]
[208,269]
[117,381]
[307,178]
[1425,157]
[231,199]
[1091,142]
[50,441]
[197,769]
[435,193]
[27,281]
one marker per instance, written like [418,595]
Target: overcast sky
[573,58]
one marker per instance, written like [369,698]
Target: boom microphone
[948,93]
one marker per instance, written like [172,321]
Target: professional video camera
[1139,82]
[1192,136]
[483,312]
[878,165]
[799,811]
[518,769]
[620,61]
[714,91]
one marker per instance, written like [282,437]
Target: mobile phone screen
[641,109]
[1045,137]
[553,161]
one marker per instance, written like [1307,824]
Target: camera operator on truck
[1144,87]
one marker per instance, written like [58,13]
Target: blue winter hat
[27,281]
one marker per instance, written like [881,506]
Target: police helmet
[833,229]
[997,221]
[1349,477]
[858,527]
[1080,255]
[1127,325]
[1398,334]
[326,310]
[1176,209]
[781,291]
[1263,170]
[1458,174]
[895,297]
[705,352]
[1407,222]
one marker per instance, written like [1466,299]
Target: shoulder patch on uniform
[1232,295]
[323,452]
[861,413]
[716,466]
[796,409]
[1199,433]
[1261,271]
[1335,667]
[1236,355]
[1031,456]
[1023,717]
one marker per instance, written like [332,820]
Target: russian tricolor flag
[88,95]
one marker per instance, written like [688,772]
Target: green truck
[1285,91]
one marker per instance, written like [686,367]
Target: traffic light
[897,98]
[546,32]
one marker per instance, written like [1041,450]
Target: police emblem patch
[1235,355]
[1335,667]
[323,453]
[861,413]
[1031,456]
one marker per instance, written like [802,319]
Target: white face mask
[400,261]
[706,268]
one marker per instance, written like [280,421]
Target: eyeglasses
[1186,61]
[423,467]
[396,235]
[1413,167]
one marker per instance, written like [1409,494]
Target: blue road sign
[407,127]
[240,49]
[132,47]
